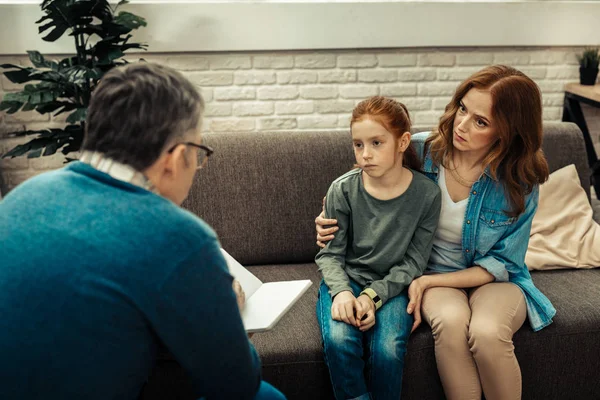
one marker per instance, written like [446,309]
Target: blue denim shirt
[495,241]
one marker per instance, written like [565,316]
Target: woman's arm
[467,278]
[507,255]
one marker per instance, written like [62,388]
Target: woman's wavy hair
[516,159]
[394,117]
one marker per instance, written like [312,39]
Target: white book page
[250,283]
[270,302]
[267,302]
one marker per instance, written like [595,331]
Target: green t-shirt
[381,244]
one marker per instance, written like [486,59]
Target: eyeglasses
[206,151]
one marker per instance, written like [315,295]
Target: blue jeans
[370,364]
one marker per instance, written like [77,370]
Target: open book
[267,302]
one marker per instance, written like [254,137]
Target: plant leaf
[46,140]
[17,151]
[67,63]
[28,107]
[34,153]
[21,97]
[37,59]
[77,115]
[67,107]
[10,107]
[21,75]
[56,33]
[44,18]
[128,46]
[50,149]
[130,20]
[49,107]
[45,27]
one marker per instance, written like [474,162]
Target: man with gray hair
[101,265]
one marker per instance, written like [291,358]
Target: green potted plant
[588,66]
[101,38]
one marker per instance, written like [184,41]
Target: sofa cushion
[563,233]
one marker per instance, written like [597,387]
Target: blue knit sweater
[94,274]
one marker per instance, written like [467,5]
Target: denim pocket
[492,226]
[494,218]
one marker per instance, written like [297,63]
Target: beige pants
[473,333]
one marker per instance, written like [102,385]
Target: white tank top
[447,242]
[452,215]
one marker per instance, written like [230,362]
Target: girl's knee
[390,351]
[338,335]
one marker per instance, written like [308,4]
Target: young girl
[387,214]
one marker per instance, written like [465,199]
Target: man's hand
[415,294]
[366,311]
[240,296]
[344,308]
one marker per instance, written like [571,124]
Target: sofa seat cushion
[296,336]
[576,297]
[566,346]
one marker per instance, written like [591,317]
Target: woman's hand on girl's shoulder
[325,234]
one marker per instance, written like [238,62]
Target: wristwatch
[373,296]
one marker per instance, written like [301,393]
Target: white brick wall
[305,90]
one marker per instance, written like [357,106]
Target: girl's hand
[344,308]
[324,234]
[415,294]
[367,312]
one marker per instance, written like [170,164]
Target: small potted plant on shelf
[588,66]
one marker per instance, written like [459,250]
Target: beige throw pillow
[563,232]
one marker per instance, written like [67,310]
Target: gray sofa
[261,193]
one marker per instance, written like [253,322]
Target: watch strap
[373,296]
